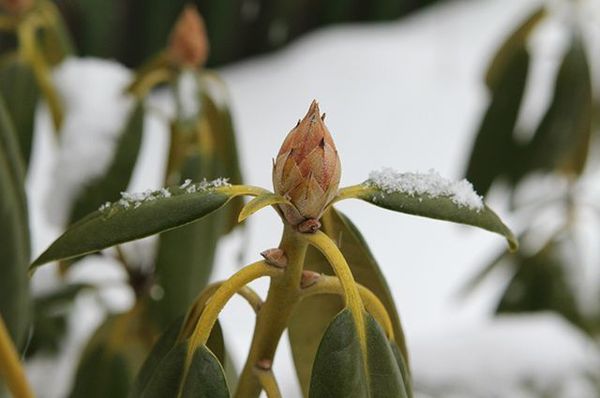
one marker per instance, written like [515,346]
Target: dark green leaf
[14,233]
[117,176]
[50,318]
[118,224]
[514,44]
[495,152]
[562,139]
[341,369]
[541,283]
[312,316]
[438,207]
[114,355]
[203,379]
[17,82]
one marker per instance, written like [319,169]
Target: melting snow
[430,184]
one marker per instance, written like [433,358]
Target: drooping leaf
[312,316]
[513,45]
[117,176]
[438,207]
[14,233]
[495,152]
[50,318]
[118,223]
[541,283]
[55,41]
[342,369]
[114,355]
[562,139]
[17,82]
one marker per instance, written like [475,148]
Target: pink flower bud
[307,169]
[188,44]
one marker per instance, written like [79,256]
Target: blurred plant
[545,272]
[202,146]
[237,29]
[344,329]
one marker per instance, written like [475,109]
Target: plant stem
[273,317]
[327,284]
[268,382]
[336,259]
[10,366]
[221,296]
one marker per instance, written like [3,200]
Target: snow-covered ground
[407,95]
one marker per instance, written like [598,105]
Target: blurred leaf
[221,122]
[17,82]
[495,152]
[541,283]
[514,44]
[312,316]
[439,207]
[14,233]
[50,318]
[55,41]
[472,283]
[102,229]
[118,174]
[114,355]
[341,369]
[562,139]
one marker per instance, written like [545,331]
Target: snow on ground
[406,95]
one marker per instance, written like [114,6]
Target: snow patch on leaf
[429,184]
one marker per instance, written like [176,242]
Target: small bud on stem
[275,257]
[17,6]
[188,44]
[309,278]
[307,171]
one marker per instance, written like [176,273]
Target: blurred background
[503,92]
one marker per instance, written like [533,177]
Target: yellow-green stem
[272,320]
[268,382]
[10,366]
[221,296]
[327,247]
[331,285]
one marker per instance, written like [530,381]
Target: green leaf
[514,44]
[312,316]
[203,379]
[562,139]
[542,283]
[119,224]
[117,176]
[50,313]
[342,369]
[114,355]
[17,82]
[14,233]
[495,152]
[167,341]
[437,207]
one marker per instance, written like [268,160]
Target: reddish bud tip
[264,364]
[309,278]
[307,169]
[188,44]
[275,257]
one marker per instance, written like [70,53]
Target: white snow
[136,199]
[429,184]
[95,113]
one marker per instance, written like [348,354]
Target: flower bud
[188,44]
[307,169]
[16,6]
